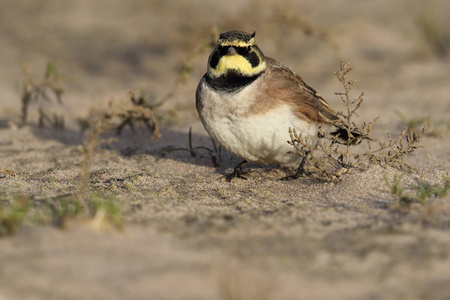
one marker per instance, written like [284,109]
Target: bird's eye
[249,48]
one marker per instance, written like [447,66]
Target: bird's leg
[300,171]
[237,172]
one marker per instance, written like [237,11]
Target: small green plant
[61,209]
[48,89]
[434,128]
[425,191]
[99,211]
[216,153]
[394,186]
[419,194]
[395,189]
[413,122]
[13,216]
[104,212]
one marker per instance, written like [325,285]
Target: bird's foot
[300,171]
[237,172]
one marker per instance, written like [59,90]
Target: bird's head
[237,52]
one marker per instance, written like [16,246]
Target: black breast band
[231,81]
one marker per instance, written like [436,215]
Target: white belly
[254,137]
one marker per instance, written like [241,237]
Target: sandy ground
[188,234]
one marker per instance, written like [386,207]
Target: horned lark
[247,102]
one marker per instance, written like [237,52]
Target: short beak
[231,51]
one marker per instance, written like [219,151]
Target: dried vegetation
[115,117]
[42,93]
[328,160]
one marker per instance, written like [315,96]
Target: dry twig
[326,160]
[44,91]
[115,118]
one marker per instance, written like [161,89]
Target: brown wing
[289,86]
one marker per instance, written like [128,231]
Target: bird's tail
[347,136]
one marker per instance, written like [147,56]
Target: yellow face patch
[238,63]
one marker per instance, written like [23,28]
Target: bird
[247,103]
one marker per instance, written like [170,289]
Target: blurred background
[103,49]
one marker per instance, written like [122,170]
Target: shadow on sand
[173,144]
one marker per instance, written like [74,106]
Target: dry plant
[215,153]
[327,160]
[139,111]
[47,90]
[114,118]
